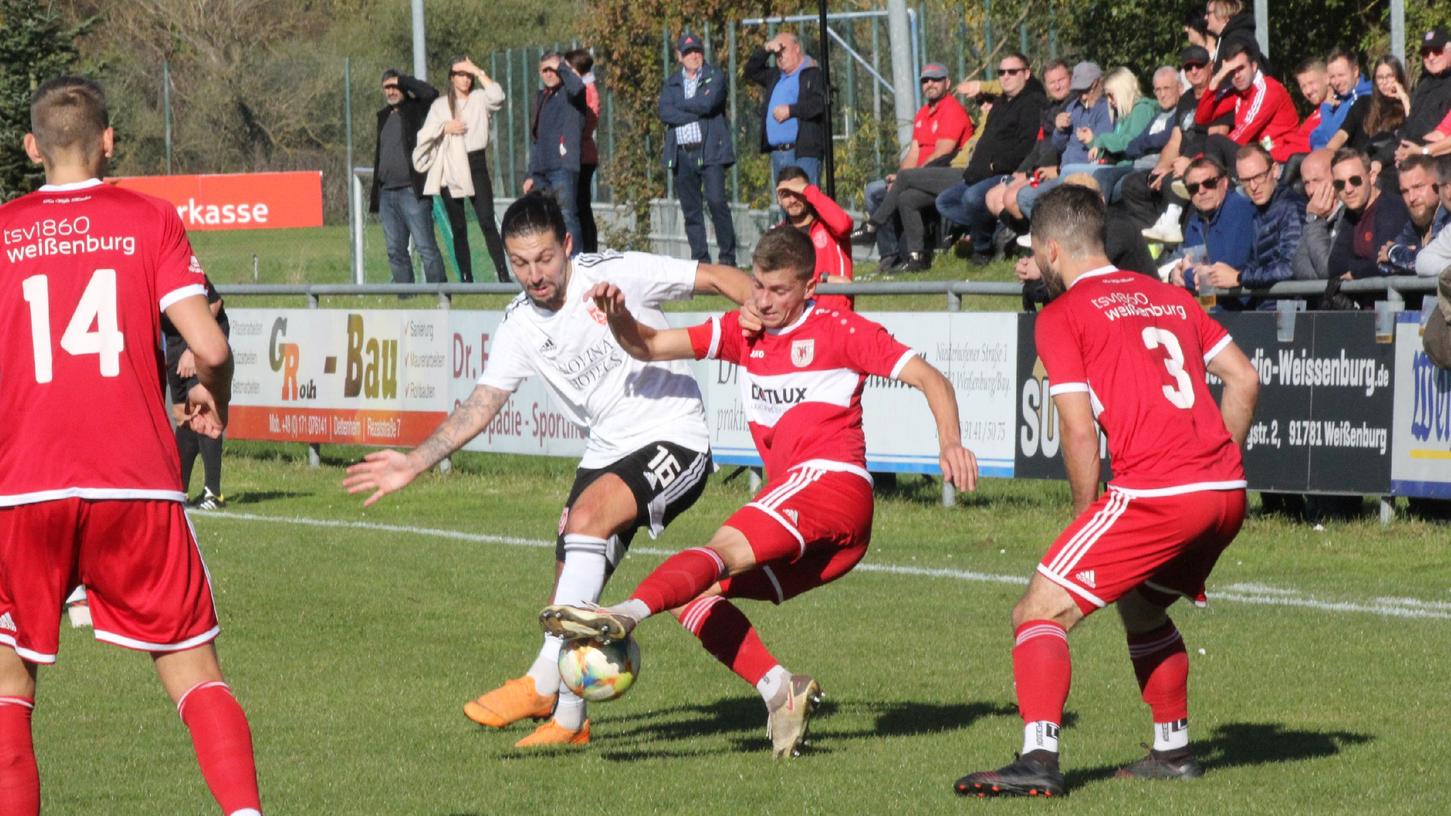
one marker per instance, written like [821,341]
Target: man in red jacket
[1263,110]
[828,226]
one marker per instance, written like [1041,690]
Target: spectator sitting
[1133,114]
[1371,219]
[1314,85]
[1263,111]
[794,131]
[939,130]
[1145,148]
[1220,228]
[1088,115]
[1438,141]
[1431,101]
[1435,256]
[1123,244]
[1417,179]
[1279,215]
[1323,212]
[1007,137]
[1149,196]
[813,212]
[1372,125]
[1347,86]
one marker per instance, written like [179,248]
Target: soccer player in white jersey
[90,484]
[801,382]
[648,455]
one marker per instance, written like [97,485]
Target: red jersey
[1139,348]
[945,120]
[830,234]
[1263,113]
[802,385]
[87,270]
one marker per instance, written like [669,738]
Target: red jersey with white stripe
[1139,348]
[87,270]
[830,234]
[1263,113]
[802,385]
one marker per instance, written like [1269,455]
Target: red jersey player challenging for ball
[90,489]
[1132,353]
[801,382]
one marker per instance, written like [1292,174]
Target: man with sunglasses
[1279,216]
[1148,197]
[939,130]
[1371,219]
[1431,98]
[557,133]
[1220,227]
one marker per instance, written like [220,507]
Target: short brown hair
[1074,217]
[785,247]
[67,113]
[1419,162]
[1346,154]
[1254,149]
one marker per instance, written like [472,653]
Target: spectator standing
[181,378]
[794,131]
[1007,138]
[453,151]
[1229,22]
[814,213]
[397,194]
[939,130]
[1279,216]
[1262,108]
[1372,219]
[698,147]
[583,63]
[556,133]
[1346,86]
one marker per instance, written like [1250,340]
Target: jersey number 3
[97,307]
[1181,393]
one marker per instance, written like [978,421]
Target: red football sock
[1042,670]
[680,579]
[725,632]
[223,744]
[19,777]
[1161,664]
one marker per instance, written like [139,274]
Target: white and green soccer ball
[597,671]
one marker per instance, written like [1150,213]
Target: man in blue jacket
[555,135]
[794,119]
[1279,219]
[698,147]
[1220,227]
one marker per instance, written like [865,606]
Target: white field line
[1248,593]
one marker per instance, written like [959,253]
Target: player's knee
[1139,614]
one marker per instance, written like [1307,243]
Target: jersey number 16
[96,307]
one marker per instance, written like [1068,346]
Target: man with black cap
[698,147]
[939,131]
[1431,99]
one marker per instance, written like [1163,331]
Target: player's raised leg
[19,775]
[218,726]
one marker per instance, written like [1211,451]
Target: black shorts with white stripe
[665,479]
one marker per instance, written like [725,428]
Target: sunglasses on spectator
[1012,71]
[1353,181]
[548,71]
[933,79]
[1193,66]
[1194,186]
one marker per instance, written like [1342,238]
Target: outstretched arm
[1241,390]
[388,471]
[958,464]
[638,340]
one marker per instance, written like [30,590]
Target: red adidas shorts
[145,581]
[807,529]
[1167,544]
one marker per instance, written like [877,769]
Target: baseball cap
[1084,75]
[1435,40]
[933,70]
[689,42]
[1194,53]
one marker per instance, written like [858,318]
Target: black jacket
[809,110]
[558,126]
[707,108]
[1044,154]
[417,97]
[1430,101]
[1008,136]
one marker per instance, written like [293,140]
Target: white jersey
[622,403]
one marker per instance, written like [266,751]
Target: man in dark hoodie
[794,130]
[1431,99]
[1008,135]
[558,127]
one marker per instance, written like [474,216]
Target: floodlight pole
[420,54]
[828,158]
[899,36]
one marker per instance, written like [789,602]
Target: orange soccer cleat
[554,734]
[509,703]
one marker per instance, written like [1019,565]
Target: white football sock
[633,608]
[569,711]
[1170,736]
[580,581]
[545,670]
[771,685]
[1040,736]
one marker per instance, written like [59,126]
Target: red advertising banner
[238,200]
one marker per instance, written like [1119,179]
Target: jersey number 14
[97,307]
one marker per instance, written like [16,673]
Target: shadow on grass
[261,496]
[1236,745]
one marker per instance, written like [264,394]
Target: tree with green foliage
[35,45]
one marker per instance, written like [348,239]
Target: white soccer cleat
[788,722]
[585,623]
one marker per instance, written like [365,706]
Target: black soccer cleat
[1028,776]
[1178,764]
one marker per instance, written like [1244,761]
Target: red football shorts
[806,529]
[1167,544]
[145,581]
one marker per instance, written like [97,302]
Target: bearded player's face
[780,295]
[541,264]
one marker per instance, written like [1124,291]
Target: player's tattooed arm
[387,471]
[638,340]
[1078,437]
[1241,390]
[959,465]
[716,279]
